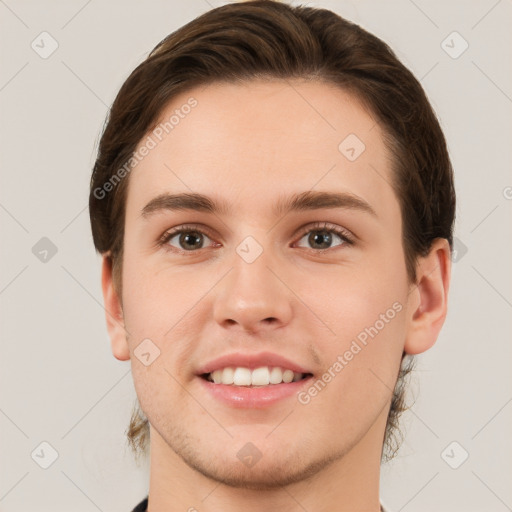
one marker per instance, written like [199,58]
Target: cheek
[369,336]
[157,298]
[361,352]
[350,300]
[360,365]
[167,307]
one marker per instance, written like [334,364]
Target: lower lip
[254,397]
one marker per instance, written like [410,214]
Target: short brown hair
[266,39]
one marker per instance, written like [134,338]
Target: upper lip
[250,361]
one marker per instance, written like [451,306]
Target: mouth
[263,376]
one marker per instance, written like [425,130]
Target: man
[274,203]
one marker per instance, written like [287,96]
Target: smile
[262,376]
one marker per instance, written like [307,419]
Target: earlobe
[428,299]
[113,312]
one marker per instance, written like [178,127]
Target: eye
[322,235]
[185,238]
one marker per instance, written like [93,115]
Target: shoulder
[142,506]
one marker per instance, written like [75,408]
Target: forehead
[258,141]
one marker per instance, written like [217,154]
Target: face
[260,288]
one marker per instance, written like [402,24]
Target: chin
[268,472]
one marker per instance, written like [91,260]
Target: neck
[347,484]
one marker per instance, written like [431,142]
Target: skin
[250,145]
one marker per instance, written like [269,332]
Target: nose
[253,297]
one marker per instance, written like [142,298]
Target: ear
[428,300]
[113,312]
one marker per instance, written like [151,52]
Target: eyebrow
[304,201]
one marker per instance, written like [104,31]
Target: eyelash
[344,235]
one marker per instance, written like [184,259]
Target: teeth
[287,376]
[242,377]
[227,376]
[276,375]
[297,376]
[262,376]
[217,376]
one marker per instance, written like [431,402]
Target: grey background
[59,382]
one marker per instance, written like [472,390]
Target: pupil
[186,240]
[321,237]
